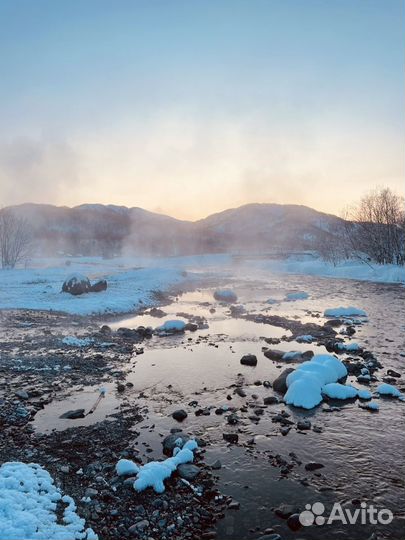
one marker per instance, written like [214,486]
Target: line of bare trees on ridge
[373,231]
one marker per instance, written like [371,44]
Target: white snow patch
[306,382]
[126,467]
[73,341]
[299,295]
[345,312]
[28,500]
[385,389]
[154,474]
[175,325]
[339,391]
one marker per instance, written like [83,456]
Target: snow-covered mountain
[109,230]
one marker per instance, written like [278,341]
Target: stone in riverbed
[99,286]
[225,295]
[188,471]
[286,510]
[169,442]
[280,384]
[249,360]
[74,414]
[274,354]
[303,424]
[22,394]
[294,522]
[313,466]
[179,415]
[230,437]
[271,400]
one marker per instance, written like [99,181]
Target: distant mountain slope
[96,229]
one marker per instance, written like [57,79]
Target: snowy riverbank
[132,282]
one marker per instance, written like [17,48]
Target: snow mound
[364,394]
[126,467]
[73,341]
[225,295]
[175,325]
[299,295]
[345,312]
[154,474]
[28,500]
[388,390]
[305,383]
[372,405]
[306,338]
[339,391]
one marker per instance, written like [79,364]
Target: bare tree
[376,227]
[15,239]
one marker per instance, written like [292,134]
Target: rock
[274,354]
[76,284]
[234,505]
[280,384]
[216,465]
[232,419]
[239,391]
[139,527]
[225,295]
[273,536]
[249,360]
[303,424]
[106,330]
[121,387]
[393,373]
[191,327]
[99,286]
[169,442]
[294,522]
[313,466]
[22,394]
[286,510]
[271,400]
[71,415]
[179,415]
[90,492]
[285,430]
[65,469]
[188,471]
[230,437]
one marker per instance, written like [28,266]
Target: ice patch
[306,338]
[28,500]
[351,347]
[126,467]
[364,394]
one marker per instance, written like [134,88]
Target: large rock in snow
[76,284]
[99,286]
[225,295]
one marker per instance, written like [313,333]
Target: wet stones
[188,471]
[271,400]
[232,438]
[313,466]
[303,425]
[170,442]
[22,394]
[249,360]
[280,384]
[274,354]
[73,414]
[99,286]
[284,511]
[239,391]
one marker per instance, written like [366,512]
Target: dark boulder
[249,360]
[99,286]
[280,384]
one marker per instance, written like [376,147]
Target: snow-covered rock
[371,405]
[385,389]
[339,391]
[349,347]
[364,394]
[225,295]
[305,383]
[126,467]
[172,327]
[154,474]
[76,284]
[28,499]
[345,312]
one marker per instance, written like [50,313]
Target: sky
[188,107]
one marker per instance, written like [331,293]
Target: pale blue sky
[190,107]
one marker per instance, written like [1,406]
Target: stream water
[362,452]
